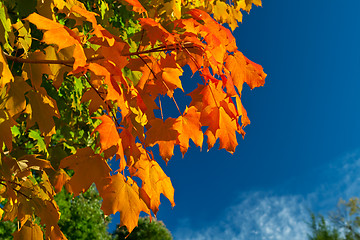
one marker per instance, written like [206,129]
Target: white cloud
[258,217]
[267,216]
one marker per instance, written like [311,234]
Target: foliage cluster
[81,218]
[81,88]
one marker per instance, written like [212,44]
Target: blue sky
[302,148]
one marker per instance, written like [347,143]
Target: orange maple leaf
[100,33]
[137,7]
[221,126]
[154,182]
[108,133]
[59,179]
[164,134]
[30,231]
[95,100]
[61,36]
[15,100]
[243,70]
[42,108]
[88,167]
[113,88]
[189,127]
[171,72]
[156,32]
[207,95]
[116,53]
[122,196]
[109,137]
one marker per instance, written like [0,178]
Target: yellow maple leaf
[6,122]
[173,8]
[15,100]
[5,73]
[30,231]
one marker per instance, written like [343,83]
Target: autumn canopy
[80,92]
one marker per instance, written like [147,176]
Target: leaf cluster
[81,88]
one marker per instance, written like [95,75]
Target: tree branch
[47,61]
[71,61]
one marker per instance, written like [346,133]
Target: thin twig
[161,111]
[109,108]
[17,191]
[197,65]
[162,49]
[162,82]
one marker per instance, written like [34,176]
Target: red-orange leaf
[116,53]
[100,33]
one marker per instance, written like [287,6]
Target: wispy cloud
[258,217]
[267,216]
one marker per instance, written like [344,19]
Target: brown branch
[164,48]
[46,61]
[71,61]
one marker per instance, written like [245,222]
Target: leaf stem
[161,110]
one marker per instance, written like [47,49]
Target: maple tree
[81,90]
